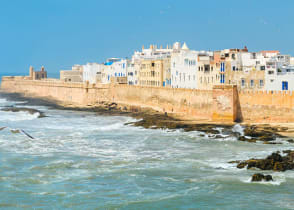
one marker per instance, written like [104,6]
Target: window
[252,83]
[243,82]
[222,78]
[262,68]
[153,64]
[261,83]
[234,68]
[206,68]
[284,85]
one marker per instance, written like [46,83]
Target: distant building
[133,73]
[184,67]
[38,75]
[208,73]
[292,61]
[279,76]
[74,75]
[92,72]
[114,67]
[154,73]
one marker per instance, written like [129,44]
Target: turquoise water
[80,160]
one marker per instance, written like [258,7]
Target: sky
[61,33]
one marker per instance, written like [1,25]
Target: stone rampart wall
[223,103]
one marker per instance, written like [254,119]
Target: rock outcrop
[260,177]
[274,162]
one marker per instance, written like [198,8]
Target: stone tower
[31,71]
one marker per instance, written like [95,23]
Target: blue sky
[60,33]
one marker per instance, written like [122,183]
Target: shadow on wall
[239,115]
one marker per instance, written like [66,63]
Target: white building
[92,72]
[114,67]
[281,78]
[279,73]
[184,67]
[292,61]
[153,53]
[133,73]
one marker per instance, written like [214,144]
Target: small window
[252,83]
[261,83]
[243,82]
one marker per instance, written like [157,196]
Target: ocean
[80,160]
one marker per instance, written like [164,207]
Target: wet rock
[243,138]
[14,131]
[235,161]
[241,165]
[274,162]
[266,142]
[260,133]
[290,141]
[22,109]
[260,177]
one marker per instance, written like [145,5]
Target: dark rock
[241,165]
[275,156]
[260,177]
[235,161]
[266,142]
[265,134]
[274,162]
[290,141]
[243,138]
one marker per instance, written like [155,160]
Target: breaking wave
[17,116]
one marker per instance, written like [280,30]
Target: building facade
[38,75]
[73,75]
[92,72]
[184,67]
[114,67]
[154,73]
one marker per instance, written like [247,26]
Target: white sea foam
[17,116]
[238,129]
[3,100]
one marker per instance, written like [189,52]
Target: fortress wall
[223,103]
[267,106]
[195,104]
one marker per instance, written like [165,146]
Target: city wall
[223,103]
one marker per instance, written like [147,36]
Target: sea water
[80,160]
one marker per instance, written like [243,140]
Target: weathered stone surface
[253,133]
[260,177]
[274,162]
